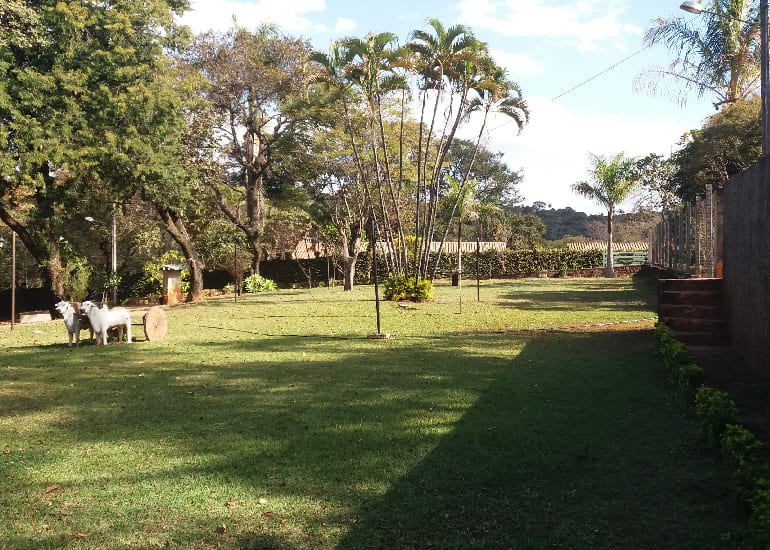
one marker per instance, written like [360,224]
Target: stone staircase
[694,310]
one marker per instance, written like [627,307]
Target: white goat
[103,319]
[73,320]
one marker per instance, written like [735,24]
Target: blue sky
[548,47]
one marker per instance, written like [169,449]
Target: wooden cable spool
[155,325]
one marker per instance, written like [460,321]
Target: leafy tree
[526,230]
[721,61]
[611,183]
[657,185]
[729,142]
[18,24]
[451,62]
[372,70]
[496,181]
[78,86]
[339,189]
[257,90]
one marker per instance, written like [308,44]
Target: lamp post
[13,275]
[695,6]
[114,254]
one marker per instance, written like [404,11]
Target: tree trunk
[49,257]
[609,271]
[256,165]
[54,271]
[350,256]
[174,224]
[349,269]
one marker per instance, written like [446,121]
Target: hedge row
[491,264]
[718,418]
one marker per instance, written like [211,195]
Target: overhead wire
[590,79]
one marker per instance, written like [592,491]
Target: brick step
[694,297]
[690,324]
[691,311]
[704,339]
[690,284]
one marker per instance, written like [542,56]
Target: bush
[742,449]
[714,410]
[717,417]
[257,283]
[686,376]
[402,287]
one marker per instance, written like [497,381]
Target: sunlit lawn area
[274,423]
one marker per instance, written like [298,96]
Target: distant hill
[564,222]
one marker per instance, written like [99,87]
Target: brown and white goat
[103,319]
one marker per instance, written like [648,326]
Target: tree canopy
[719,59]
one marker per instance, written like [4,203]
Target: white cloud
[515,64]
[553,148]
[587,24]
[344,25]
[289,16]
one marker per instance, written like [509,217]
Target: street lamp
[694,6]
[13,275]
[89,219]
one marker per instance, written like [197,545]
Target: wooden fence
[688,241]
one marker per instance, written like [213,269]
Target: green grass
[274,423]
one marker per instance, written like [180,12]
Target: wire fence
[688,241]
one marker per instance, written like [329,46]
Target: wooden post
[374,267]
[13,279]
[698,233]
[709,231]
[688,256]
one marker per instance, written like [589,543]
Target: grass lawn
[274,423]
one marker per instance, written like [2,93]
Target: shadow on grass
[603,298]
[570,455]
[462,443]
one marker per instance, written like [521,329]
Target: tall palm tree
[493,93]
[372,69]
[438,52]
[612,182]
[721,62]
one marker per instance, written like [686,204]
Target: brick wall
[746,249]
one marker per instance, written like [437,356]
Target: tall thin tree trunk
[609,271]
[174,224]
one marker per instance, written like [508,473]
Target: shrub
[688,378]
[75,277]
[759,503]
[402,287]
[742,449]
[257,283]
[717,416]
[714,410]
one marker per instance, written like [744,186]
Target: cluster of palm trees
[374,81]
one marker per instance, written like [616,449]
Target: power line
[597,75]
[586,81]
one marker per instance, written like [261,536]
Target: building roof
[616,246]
